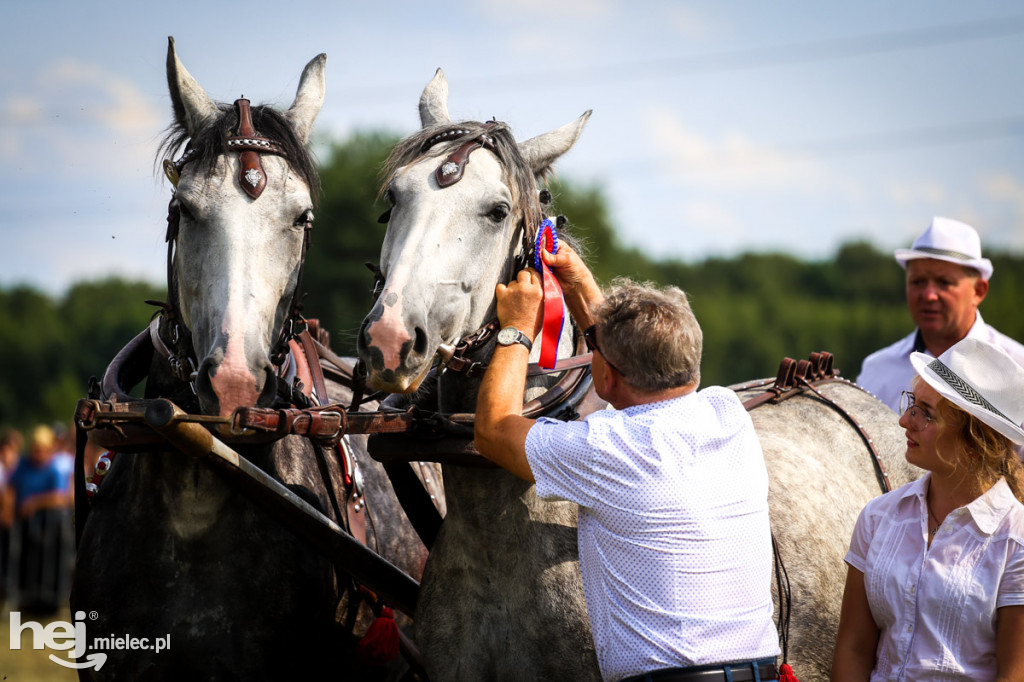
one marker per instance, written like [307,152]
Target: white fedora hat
[980,379]
[948,240]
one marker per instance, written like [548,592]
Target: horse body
[169,548]
[501,596]
[820,476]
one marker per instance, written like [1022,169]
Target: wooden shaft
[396,587]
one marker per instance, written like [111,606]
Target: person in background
[36,483]
[947,279]
[64,459]
[674,539]
[935,575]
[35,508]
[10,452]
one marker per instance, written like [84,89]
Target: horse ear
[193,108]
[434,101]
[309,97]
[542,151]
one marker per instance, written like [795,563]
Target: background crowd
[36,535]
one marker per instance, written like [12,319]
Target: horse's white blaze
[234,383]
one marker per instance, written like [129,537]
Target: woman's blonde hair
[988,454]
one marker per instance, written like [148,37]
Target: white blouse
[936,607]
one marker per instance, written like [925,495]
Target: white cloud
[501,10]
[688,23]
[1008,189]
[77,116]
[732,162]
[927,192]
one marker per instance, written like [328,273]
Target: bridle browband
[172,332]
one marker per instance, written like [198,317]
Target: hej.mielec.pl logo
[62,636]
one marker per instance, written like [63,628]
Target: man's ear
[980,290]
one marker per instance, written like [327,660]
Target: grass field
[28,664]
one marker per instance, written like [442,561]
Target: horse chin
[401,381]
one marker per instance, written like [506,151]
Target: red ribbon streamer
[554,306]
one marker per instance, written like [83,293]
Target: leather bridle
[172,332]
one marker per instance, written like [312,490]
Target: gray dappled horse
[501,597]
[170,548]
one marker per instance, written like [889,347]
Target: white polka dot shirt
[674,539]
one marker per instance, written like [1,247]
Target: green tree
[346,236]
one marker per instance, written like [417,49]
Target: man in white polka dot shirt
[674,539]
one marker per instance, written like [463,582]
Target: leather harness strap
[451,169]
[251,177]
[793,378]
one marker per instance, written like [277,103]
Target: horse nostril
[269,391]
[208,400]
[420,346]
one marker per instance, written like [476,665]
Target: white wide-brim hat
[980,379]
[948,240]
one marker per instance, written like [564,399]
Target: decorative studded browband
[249,145]
[451,169]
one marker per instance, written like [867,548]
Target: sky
[718,127]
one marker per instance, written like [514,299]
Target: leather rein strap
[796,377]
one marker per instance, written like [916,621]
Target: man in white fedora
[947,279]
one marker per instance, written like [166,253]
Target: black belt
[741,672]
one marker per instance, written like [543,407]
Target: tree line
[755,308]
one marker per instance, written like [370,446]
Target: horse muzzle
[224,384]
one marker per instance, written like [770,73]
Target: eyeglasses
[590,335]
[919,417]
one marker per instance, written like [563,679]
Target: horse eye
[385,217]
[498,213]
[305,219]
[183,210]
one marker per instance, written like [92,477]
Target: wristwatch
[510,336]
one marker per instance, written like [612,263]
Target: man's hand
[572,273]
[520,303]
[581,291]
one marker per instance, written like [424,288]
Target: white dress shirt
[886,373]
[674,538]
[936,607]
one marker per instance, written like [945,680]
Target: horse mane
[211,141]
[518,175]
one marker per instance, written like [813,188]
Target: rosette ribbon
[554,307]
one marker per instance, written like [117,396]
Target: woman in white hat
[935,577]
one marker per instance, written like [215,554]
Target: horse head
[238,230]
[464,206]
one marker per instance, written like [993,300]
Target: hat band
[963,388]
[944,252]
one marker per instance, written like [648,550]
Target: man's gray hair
[650,335]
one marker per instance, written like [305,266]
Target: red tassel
[379,646]
[786,673]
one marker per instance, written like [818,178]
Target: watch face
[508,336]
